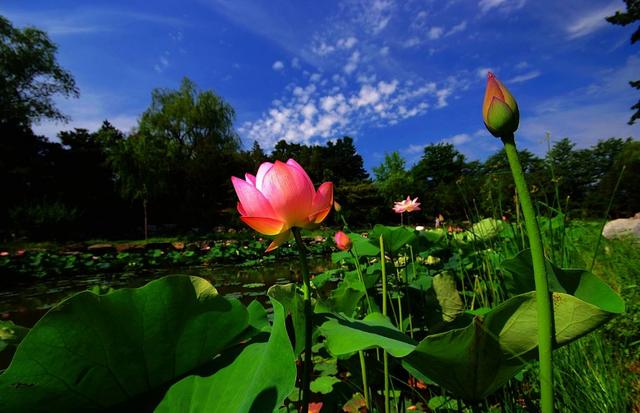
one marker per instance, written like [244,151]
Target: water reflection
[25,302]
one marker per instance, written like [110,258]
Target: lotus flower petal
[267,226]
[279,240]
[253,201]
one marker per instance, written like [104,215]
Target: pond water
[25,302]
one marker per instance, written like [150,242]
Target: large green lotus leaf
[257,380]
[343,299]
[95,351]
[474,361]
[363,247]
[293,304]
[577,282]
[447,296]
[345,336]
[394,238]
[487,228]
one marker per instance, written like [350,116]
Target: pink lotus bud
[279,197]
[499,110]
[343,241]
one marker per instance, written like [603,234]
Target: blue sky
[394,75]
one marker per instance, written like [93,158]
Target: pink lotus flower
[281,196]
[406,205]
[343,241]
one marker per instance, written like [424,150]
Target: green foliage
[257,379]
[30,78]
[435,176]
[392,179]
[103,350]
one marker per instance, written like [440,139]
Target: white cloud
[162,64]
[483,72]
[387,88]
[312,114]
[524,77]
[505,5]
[591,21]
[442,95]
[457,28]
[347,43]
[88,112]
[486,5]
[277,65]
[384,51]
[435,32]
[323,49]
[368,95]
[411,42]
[352,63]
[295,63]
[458,139]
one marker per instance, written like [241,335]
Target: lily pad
[258,379]
[93,351]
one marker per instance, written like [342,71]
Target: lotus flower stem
[543,297]
[385,356]
[308,321]
[363,363]
[365,385]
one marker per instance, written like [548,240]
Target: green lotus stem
[363,363]
[385,356]
[308,321]
[365,386]
[356,259]
[543,297]
[401,321]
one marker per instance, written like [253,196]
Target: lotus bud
[343,241]
[499,110]
[337,206]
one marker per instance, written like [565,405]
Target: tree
[624,18]
[30,77]
[190,132]
[342,163]
[392,179]
[497,188]
[189,118]
[435,177]
[141,169]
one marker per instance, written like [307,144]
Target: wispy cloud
[483,71]
[505,5]
[457,28]
[588,114]
[163,63]
[524,77]
[590,21]
[435,32]
[88,112]
[82,21]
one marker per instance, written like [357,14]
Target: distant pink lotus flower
[343,242]
[406,205]
[279,197]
